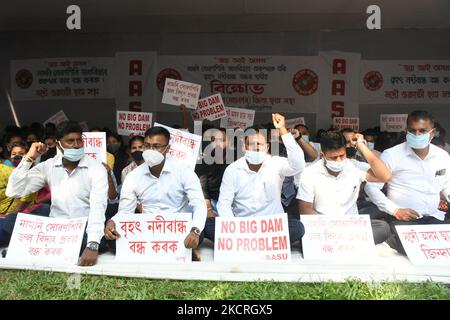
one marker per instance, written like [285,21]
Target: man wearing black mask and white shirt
[78,184]
[251,186]
[420,174]
[331,185]
[161,185]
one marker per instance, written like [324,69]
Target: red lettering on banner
[122,116]
[272,225]
[135,88]
[247,227]
[228,226]
[135,67]
[225,244]
[337,109]
[338,88]
[339,66]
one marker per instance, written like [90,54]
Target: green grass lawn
[50,285]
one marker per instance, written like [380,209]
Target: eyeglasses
[155,146]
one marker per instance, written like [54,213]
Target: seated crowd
[396,179]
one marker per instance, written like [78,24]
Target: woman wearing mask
[136,149]
[114,145]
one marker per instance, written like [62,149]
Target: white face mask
[152,157]
[255,157]
[336,166]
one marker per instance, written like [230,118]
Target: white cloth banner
[339,86]
[62,78]
[210,108]
[178,92]
[238,118]
[50,241]
[94,144]
[57,118]
[426,244]
[261,83]
[343,237]
[404,82]
[393,122]
[340,123]
[130,122]
[184,146]
[291,123]
[134,77]
[252,239]
[153,237]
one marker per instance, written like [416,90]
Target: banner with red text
[210,108]
[238,118]
[261,83]
[340,123]
[94,144]
[404,82]
[393,122]
[339,86]
[292,123]
[134,75]
[252,239]
[136,123]
[178,92]
[153,237]
[426,244]
[57,118]
[342,237]
[44,240]
[184,146]
[62,78]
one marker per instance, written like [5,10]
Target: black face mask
[16,160]
[113,148]
[351,152]
[137,156]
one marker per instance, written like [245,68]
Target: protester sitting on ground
[302,135]
[115,145]
[78,185]
[163,185]
[331,185]
[210,172]
[136,150]
[420,172]
[251,186]
[50,142]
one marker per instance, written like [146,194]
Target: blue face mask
[335,166]
[255,157]
[371,145]
[72,155]
[418,142]
[306,138]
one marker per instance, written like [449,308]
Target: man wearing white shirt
[78,184]
[251,186]
[161,185]
[420,173]
[331,185]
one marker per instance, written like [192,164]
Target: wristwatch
[196,231]
[92,246]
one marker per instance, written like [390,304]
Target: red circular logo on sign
[305,82]
[166,73]
[373,80]
[24,78]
